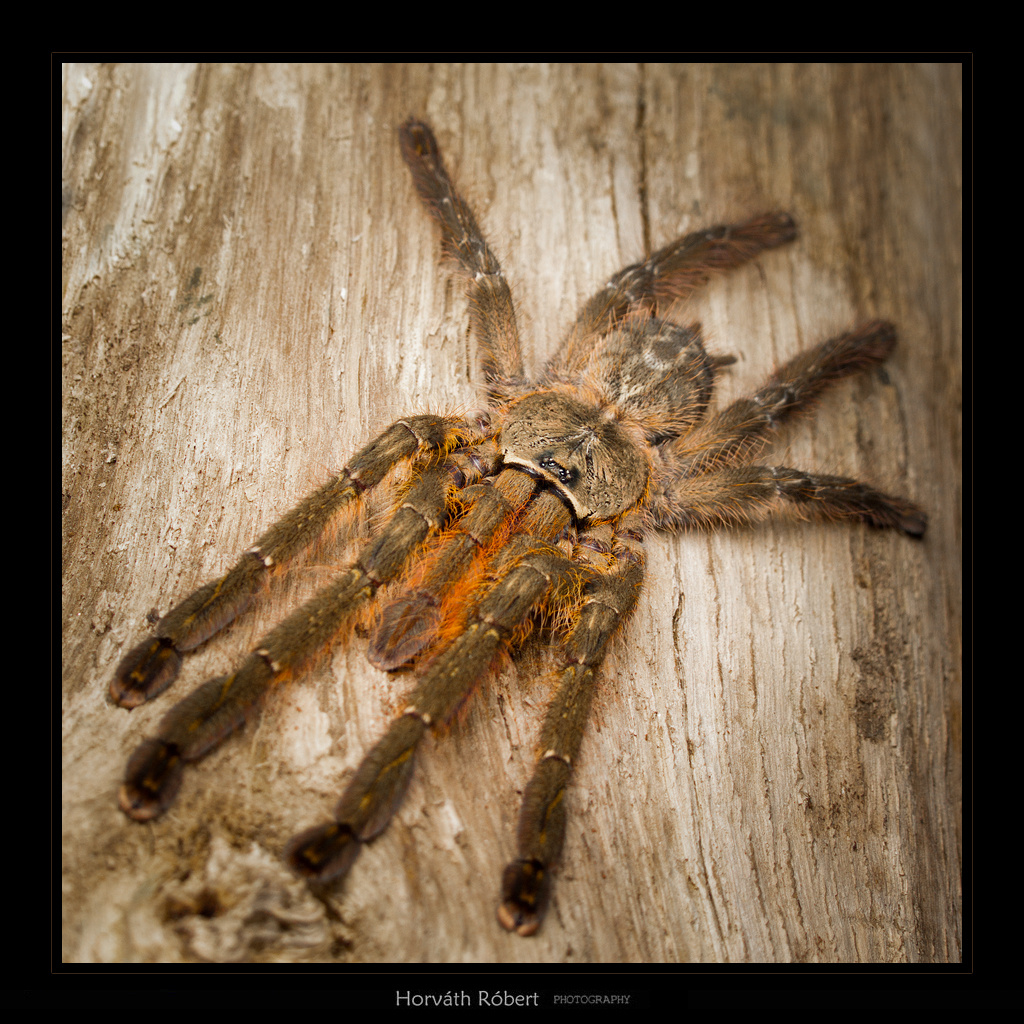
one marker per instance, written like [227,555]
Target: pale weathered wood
[251,291]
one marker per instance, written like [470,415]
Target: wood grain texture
[251,291]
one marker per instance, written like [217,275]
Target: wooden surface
[251,291]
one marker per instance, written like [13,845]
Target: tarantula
[534,511]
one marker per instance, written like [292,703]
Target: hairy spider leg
[705,489]
[530,573]
[151,666]
[745,494]
[741,427]
[673,272]
[411,621]
[218,708]
[608,599]
[492,313]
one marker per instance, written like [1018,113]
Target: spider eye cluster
[564,475]
[587,458]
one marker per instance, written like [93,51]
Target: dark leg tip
[145,671]
[785,225]
[771,229]
[151,781]
[525,893]
[325,853]
[914,524]
[406,626]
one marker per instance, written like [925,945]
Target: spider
[531,513]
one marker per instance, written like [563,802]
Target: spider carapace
[535,510]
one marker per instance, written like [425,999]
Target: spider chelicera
[533,511]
